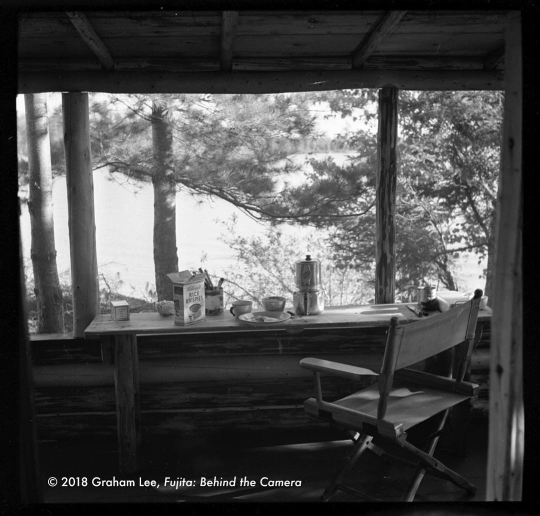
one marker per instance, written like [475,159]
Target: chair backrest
[412,343]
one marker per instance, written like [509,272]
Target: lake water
[124,228]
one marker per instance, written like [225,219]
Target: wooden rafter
[493,59]
[370,43]
[229,22]
[89,36]
[255,82]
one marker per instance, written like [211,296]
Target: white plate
[257,318]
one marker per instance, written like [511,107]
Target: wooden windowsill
[51,336]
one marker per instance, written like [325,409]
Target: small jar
[213,300]
[426,293]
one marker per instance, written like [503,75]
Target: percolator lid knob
[308,257]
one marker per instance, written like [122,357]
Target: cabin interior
[217,422]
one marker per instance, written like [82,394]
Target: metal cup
[240,307]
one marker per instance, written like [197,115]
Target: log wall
[247,387]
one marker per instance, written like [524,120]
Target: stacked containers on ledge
[309,300]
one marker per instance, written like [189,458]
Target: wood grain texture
[272,46]
[209,63]
[224,381]
[190,379]
[82,228]
[229,25]
[385,268]
[42,23]
[88,34]
[256,82]
[506,412]
[158,45]
[126,397]
[375,37]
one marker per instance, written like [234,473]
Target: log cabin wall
[247,387]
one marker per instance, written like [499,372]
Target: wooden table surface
[149,323]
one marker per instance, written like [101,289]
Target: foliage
[31,301]
[449,160]
[447,180]
[247,150]
[452,141]
[266,266]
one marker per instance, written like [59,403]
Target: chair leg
[359,448]
[420,470]
[430,462]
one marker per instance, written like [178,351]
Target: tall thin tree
[40,207]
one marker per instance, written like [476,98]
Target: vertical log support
[80,192]
[506,417]
[126,380]
[386,196]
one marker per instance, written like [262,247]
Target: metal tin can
[426,293]
[308,274]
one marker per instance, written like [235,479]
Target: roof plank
[255,42]
[228,33]
[89,36]
[371,42]
[242,63]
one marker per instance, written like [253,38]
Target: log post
[506,414]
[80,192]
[126,382]
[386,196]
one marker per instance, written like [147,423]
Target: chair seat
[408,404]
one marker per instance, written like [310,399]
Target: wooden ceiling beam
[256,82]
[371,42]
[89,36]
[229,23]
[492,60]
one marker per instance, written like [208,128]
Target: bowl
[274,303]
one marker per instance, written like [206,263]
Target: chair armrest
[437,382]
[335,368]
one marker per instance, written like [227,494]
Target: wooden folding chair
[402,397]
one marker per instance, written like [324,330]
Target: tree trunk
[40,206]
[165,257]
